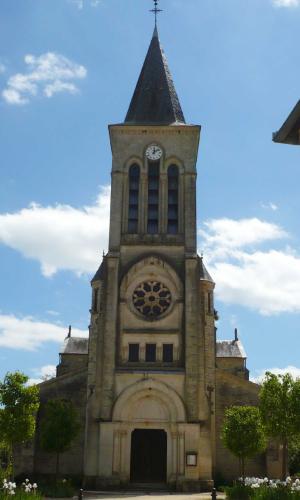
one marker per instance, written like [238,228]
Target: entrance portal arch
[149,417]
[149,400]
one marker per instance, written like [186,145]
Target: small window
[133,195]
[150,353]
[95,299]
[134,353]
[168,353]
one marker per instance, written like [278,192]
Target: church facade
[151,383]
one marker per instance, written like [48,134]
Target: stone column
[159,353]
[181,454]
[125,210]
[107,362]
[175,464]
[124,462]
[192,333]
[190,213]
[117,452]
[142,352]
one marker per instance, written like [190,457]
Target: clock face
[154,152]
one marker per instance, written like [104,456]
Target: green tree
[243,433]
[18,406]
[280,409]
[59,427]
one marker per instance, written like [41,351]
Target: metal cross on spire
[156,10]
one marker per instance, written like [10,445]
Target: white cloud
[81,3]
[44,373]
[47,371]
[59,86]
[225,236]
[269,206]
[233,320]
[28,333]
[46,75]
[2,68]
[60,237]
[267,281]
[12,96]
[286,3]
[52,313]
[292,370]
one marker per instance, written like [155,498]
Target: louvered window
[133,353]
[133,209]
[153,197]
[150,353]
[168,353]
[173,199]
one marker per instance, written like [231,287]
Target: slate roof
[230,349]
[75,345]
[99,276]
[204,274]
[289,133]
[155,100]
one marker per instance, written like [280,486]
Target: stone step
[148,487]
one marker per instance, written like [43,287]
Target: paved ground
[157,496]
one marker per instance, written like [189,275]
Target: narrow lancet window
[210,303]
[173,199]
[153,197]
[95,300]
[133,209]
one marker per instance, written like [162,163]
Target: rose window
[152,298]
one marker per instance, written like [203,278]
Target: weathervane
[156,10]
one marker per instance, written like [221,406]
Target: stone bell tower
[151,368]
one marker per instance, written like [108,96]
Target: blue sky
[67,69]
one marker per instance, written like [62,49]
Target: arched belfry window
[133,199]
[173,178]
[153,197]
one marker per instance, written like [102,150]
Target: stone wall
[232,390]
[236,366]
[30,459]
[70,362]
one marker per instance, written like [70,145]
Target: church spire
[155,100]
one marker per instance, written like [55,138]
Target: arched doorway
[148,463]
[148,405]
